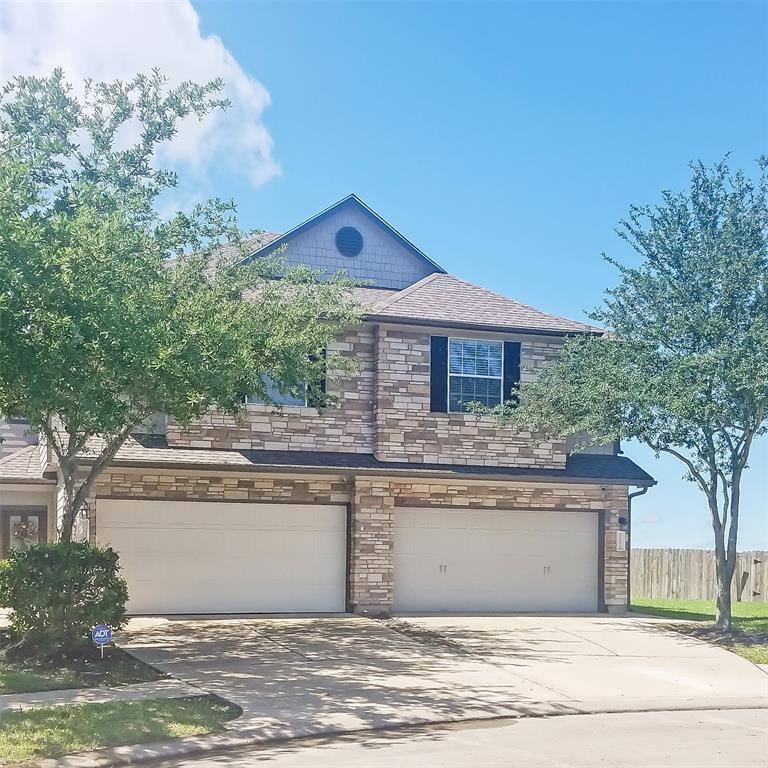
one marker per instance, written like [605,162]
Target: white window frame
[499,378]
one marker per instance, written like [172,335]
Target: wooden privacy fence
[689,574]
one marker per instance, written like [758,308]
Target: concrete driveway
[311,676]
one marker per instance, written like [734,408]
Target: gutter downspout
[631,496]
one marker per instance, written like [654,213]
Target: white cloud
[106,40]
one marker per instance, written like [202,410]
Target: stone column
[615,584]
[371,573]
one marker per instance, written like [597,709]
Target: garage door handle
[546,570]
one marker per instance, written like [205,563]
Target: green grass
[62,730]
[86,671]
[749,617]
[750,620]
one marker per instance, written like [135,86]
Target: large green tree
[110,312]
[684,368]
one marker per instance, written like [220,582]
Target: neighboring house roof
[23,466]
[441,299]
[248,243]
[350,201]
[252,242]
[152,450]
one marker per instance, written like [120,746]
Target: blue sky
[507,140]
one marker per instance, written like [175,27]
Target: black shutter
[438,374]
[511,375]
[316,390]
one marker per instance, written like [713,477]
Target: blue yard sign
[101,634]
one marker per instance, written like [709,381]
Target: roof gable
[388,259]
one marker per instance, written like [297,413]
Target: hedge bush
[58,591]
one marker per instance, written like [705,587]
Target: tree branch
[104,458]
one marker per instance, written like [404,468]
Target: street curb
[154,752]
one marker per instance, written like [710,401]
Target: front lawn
[750,638]
[85,671]
[61,730]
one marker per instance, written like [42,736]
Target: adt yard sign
[101,634]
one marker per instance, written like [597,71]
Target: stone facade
[385,410]
[406,430]
[349,428]
[373,503]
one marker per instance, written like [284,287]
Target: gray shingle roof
[441,299]
[152,450]
[23,466]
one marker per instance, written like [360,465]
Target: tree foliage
[110,312]
[684,368]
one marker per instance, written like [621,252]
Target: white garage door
[211,557]
[475,560]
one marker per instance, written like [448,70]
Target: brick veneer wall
[384,410]
[406,430]
[346,429]
[373,503]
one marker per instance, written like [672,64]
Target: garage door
[201,557]
[474,560]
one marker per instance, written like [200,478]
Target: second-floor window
[276,397]
[475,372]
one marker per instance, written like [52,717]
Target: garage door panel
[201,557]
[463,560]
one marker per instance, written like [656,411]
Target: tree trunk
[76,496]
[69,512]
[723,569]
[723,603]
[724,579]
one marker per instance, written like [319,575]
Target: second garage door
[216,557]
[476,560]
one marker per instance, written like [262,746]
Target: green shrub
[57,592]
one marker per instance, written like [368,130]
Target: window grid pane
[475,358]
[475,372]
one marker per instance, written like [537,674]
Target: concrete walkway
[158,689]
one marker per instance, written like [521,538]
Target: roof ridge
[367,210]
[410,289]
[16,454]
[521,304]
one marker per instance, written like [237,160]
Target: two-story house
[397,500]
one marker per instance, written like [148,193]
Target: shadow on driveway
[304,676]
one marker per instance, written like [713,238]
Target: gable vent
[349,242]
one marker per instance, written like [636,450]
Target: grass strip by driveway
[750,638]
[84,671]
[61,730]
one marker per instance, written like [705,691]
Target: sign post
[101,634]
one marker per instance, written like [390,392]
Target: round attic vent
[349,242]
